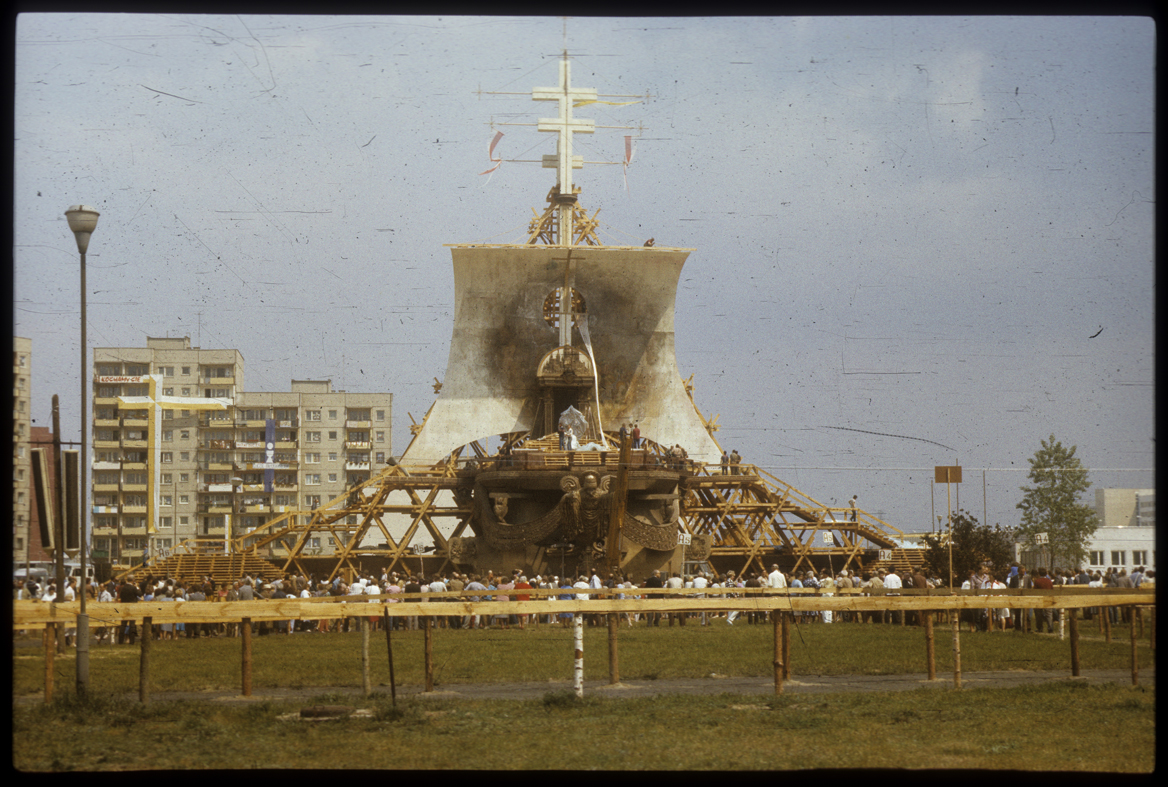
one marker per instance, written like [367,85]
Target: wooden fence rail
[35,614]
[780,605]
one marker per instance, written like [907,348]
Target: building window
[165,521]
[332,435]
[1097,558]
[184,456]
[332,456]
[185,434]
[312,501]
[168,371]
[186,371]
[380,415]
[312,479]
[312,459]
[312,437]
[167,500]
[166,457]
[168,392]
[381,437]
[167,435]
[186,391]
[167,415]
[332,478]
[380,457]
[184,478]
[332,415]
[1117,557]
[1139,557]
[312,415]
[184,520]
[184,500]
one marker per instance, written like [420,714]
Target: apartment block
[21,446]
[182,453]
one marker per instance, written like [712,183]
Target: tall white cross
[564,125]
[154,404]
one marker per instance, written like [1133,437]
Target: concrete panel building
[21,435]
[182,452]
[1126,536]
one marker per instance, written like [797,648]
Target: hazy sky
[918,241]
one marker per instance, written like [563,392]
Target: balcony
[358,424]
[136,421]
[356,465]
[285,487]
[358,444]
[133,510]
[99,465]
[135,444]
[108,400]
[289,424]
[99,422]
[127,487]
[256,509]
[213,530]
[286,444]
[100,444]
[134,531]
[104,531]
[218,488]
[261,423]
[106,488]
[253,445]
[217,445]
[130,464]
[222,466]
[214,509]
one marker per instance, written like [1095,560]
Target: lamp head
[82,221]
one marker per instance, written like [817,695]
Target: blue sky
[918,241]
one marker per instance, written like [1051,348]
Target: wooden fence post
[144,664]
[389,649]
[1106,624]
[786,646]
[49,637]
[956,651]
[613,665]
[365,688]
[930,645]
[1075,646]
[776,618]
[245,635]
[428,636]
[1135,657]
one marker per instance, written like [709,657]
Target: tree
[1052,505]
[973,545]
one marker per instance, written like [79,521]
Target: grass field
[1058,726]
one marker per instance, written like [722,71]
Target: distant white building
[1126,536]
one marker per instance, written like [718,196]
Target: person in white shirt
[892,582]
[700,582]
[776,579]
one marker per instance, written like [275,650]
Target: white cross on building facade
[565,125]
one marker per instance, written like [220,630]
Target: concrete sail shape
[502,330]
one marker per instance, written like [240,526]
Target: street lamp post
[82,222]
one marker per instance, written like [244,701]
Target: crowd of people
[518,586]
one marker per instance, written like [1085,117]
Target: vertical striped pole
[578,641]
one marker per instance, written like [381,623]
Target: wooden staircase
[221,568]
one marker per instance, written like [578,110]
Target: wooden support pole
[956,651]
[428,637]
[144,664]
[786,646]
[930,645]
[778,660]
[1152,628]
[1135,656]
[389,649]
[49,637]
[1075,646]
[1137,611]
[613,664]
[1106,624]
[366,689]
[245,670]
